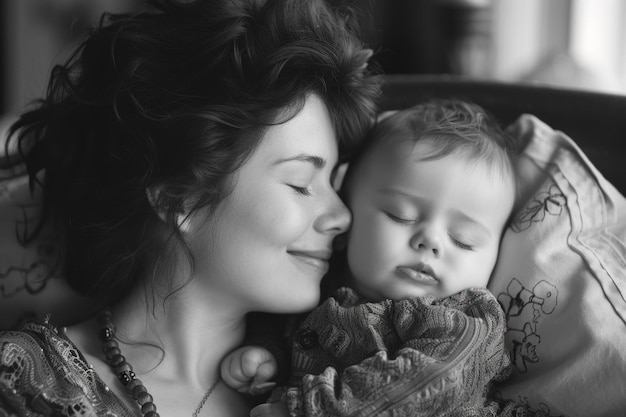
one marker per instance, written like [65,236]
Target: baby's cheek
[371,254]
[480,268]
[362,244]
[491,256]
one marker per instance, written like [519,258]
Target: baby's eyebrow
[466,218]
[393,191]
[318,162]
[460,214]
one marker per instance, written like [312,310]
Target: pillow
[26,270]
[561,279]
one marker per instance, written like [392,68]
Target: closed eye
[462,245]
[300,190]
[399,220]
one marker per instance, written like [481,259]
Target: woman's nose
[336,217]
[425,240]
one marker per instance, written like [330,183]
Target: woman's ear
[154,198]
[153,194]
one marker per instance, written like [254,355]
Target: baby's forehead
[402,154]
[491,158]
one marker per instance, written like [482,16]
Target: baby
[413,329]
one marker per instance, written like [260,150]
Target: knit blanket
[417,357]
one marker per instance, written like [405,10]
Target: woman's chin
[298,303]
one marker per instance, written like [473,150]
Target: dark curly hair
[176,98]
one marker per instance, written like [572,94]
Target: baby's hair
[446,127]
[449,127]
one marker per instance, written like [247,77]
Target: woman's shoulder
[30,340]
[35,339]
[41,369]
[32,361]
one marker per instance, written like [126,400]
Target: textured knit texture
[43,374]
[417,357]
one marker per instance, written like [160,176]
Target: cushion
[561,279]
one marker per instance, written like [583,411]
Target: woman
[189,153]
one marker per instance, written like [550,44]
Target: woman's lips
[420,273]
[317,260]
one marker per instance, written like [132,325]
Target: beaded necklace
[124,371]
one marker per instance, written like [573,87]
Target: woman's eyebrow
[317,161]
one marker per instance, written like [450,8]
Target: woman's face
[267,246]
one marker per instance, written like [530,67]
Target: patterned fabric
[416,357]
[561,281]
[43,374]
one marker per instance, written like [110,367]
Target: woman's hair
[158,109]
[447,126]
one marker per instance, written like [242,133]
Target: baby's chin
[395,292]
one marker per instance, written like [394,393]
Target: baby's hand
[278,409]
[248,370]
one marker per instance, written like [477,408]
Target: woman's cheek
[261,210]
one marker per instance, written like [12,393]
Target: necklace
[124,371]
[206,397]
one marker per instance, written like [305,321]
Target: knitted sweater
[417,357]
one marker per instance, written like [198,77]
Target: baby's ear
[340,173]
[382,116]
[154,195]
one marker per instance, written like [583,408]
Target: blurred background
[573,43]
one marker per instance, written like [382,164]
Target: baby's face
[424,227]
